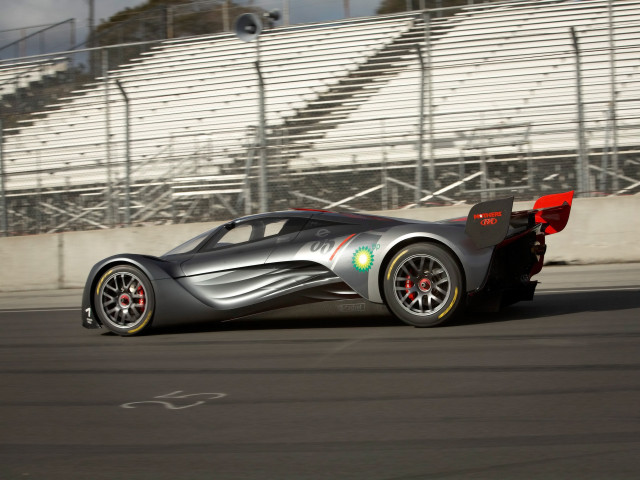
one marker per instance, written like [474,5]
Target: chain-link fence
[423,108]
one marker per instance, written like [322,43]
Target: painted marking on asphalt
[172,395]
[31,310]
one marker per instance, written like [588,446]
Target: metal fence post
[110,216]
[418,189]
[72,34]
[612,111]
[127,146]
[286,16]
[3,198]
[429,78]
[583,160]
[262,136]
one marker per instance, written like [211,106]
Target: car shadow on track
[558,304]
[341,314]
[327,316]
[280,324]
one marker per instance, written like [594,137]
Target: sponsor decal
[352,307]
[488,221]
[455,296]
[487,215]
[323,246]
[363,259]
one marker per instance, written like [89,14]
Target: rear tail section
[519,240]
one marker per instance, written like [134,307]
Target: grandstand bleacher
[342,117]
[20,75]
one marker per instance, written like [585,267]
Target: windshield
[190,245]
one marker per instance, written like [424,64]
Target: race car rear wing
[552,211]
[488,222]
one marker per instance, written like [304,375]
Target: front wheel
[423,285]
[124,300]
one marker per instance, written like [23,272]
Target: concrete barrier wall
[600,230]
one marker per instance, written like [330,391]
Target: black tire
[124,300]
[423,285]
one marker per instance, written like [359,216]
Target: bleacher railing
[437,107]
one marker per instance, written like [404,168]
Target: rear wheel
[124,300]
[423,285]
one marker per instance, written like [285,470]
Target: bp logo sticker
[363,259]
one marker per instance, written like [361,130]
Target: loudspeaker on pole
[247,27]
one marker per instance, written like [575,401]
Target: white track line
[77,309]
[585,290]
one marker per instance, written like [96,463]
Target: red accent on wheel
[140,291]
[124,300]
[424,285]
[408,285]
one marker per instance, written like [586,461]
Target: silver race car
[424,272]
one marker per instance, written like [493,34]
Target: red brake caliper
[407,285]
[140,291]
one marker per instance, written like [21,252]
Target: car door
[228,273]
[243,244]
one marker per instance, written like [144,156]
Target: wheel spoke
[415,268]
[404,267]
[437,296]
[405,297]
[414,301]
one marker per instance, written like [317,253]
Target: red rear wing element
[553,210]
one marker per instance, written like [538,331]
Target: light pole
[248,27]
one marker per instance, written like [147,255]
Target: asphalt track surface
[548,389]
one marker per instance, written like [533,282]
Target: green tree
[394,6]
[159,19]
